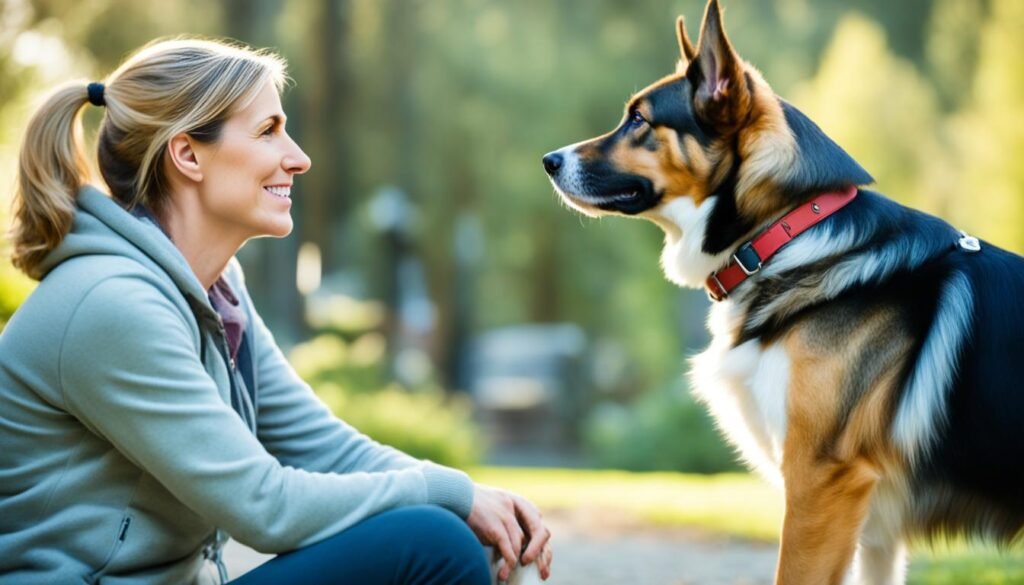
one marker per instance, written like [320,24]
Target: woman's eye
[268,131]
[638,118]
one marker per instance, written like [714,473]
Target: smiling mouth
[282,192]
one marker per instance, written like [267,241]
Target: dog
[862,352]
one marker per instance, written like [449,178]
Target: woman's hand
[508,522]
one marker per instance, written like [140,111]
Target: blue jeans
[416,545]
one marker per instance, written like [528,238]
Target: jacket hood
[101,227]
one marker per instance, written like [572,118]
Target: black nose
[552,162]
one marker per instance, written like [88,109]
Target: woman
[147,412]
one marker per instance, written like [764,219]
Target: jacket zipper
[121,534]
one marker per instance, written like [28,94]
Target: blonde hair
[166,88]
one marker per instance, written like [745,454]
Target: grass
[734,504]
[731,504]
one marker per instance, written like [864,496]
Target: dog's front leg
[834,450]
[826,503]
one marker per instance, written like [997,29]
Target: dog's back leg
[879,564]
[882,554]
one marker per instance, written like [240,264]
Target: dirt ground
[592,548]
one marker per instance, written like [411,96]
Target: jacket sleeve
[300,430]
[129,370]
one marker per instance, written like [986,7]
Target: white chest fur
[745,387]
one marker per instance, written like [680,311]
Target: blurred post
[468,251]
[410,319]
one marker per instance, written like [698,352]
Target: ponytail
[51,169]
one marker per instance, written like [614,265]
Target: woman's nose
[296,161]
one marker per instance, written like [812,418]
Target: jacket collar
[142,236]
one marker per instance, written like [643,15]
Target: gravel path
[592,548]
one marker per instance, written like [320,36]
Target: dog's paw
[528,575]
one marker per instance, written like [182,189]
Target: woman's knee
[437,536]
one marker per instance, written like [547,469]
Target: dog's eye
[637,118]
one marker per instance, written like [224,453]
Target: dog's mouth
[597,186]
[629,195]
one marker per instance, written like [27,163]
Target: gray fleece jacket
[122,459]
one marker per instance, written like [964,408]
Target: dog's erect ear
[687,52]
[721,95]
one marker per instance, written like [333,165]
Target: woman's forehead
[266,104]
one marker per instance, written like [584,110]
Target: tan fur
[588,150]
[699,161]
[687,52]
[830,480]
[767,148]
[670,170]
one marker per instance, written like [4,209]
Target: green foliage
[952,47]
[344,315]
[663,429]
[351,378]
[357,366]
[889,124]
[425,424]
[989,134]
[14,288]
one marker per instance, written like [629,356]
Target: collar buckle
[747,257]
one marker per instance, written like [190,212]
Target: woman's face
[247,174]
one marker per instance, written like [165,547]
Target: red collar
[749,258]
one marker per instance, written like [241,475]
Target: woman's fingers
[544,562]
[513,526]
[515,536]
[493,518]
[536,545]
[501,540]
[532,520]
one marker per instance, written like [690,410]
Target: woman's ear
[182,155]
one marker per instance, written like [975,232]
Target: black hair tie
[96,94]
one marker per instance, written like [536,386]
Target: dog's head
[709,153]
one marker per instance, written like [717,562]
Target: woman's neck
[206,248]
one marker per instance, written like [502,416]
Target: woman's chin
[279,228]
[281,233]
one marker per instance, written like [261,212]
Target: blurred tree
[878,107]
[989,134]
[952,47]
[251,21]
[325,113]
